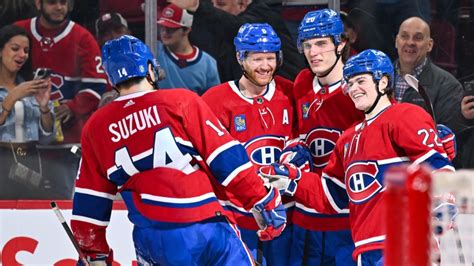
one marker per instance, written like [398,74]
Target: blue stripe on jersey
[233,209]
[321,215]
[95,86]
[186,149]
[227,161]
[437,161]
[102,206]
[133,214]
[142,221]
[119,177]
[71,87]
[338,194]
[179,205]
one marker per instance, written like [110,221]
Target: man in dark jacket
[413,43]
[216,23]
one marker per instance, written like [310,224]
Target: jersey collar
[317,86]
[268,95]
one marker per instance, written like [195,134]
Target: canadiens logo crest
[264,150]
[168,12]
[239,123]
[57,81]
[361,181]
[321,143]
[46,43]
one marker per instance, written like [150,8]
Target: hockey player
[257,112]
[164,151]
[323,113]
[391,134]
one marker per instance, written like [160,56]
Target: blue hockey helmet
[127,57]
[320,23]
[370,61]
[257,37]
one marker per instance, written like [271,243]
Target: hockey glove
[296,153]
[448,139]
[270,215]
[97,260]
[284,177]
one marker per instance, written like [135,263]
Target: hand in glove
[97,260]
[448,139]
[270,215]
[296,153]
[284,177]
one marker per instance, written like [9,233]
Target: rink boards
[30,234]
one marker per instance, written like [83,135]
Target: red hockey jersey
[324,112]
[74,56]
[402,133]
[262,124]
[164,151]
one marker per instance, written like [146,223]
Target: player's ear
[340,46]
[151,72]
[383,84]
[237,56]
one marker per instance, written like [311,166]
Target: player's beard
[48,18]
[259,82]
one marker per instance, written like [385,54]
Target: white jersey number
[165,153]
[430,137]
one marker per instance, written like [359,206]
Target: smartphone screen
[42,73]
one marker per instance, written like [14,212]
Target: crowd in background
[195,51]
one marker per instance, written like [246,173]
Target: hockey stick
[413,82]
[458,243]
[63,222]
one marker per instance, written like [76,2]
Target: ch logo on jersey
[264,150]
[361,181]
[321,143]
[239,123]
[57,82]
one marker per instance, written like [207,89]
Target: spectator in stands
[413,43]
[185,65]
[107,27]
[380,20]
[78,81]
[216,24]
[110,26]
[25,118]
[132,11]
[467,107]
[350,34]
[466,137]
[13,10]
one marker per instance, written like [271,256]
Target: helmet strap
[379,95]
[338,55]
[152,82]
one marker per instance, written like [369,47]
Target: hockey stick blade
[413,82]
[63,222]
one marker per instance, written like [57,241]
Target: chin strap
[338,55]
[152,82]
[379,95]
